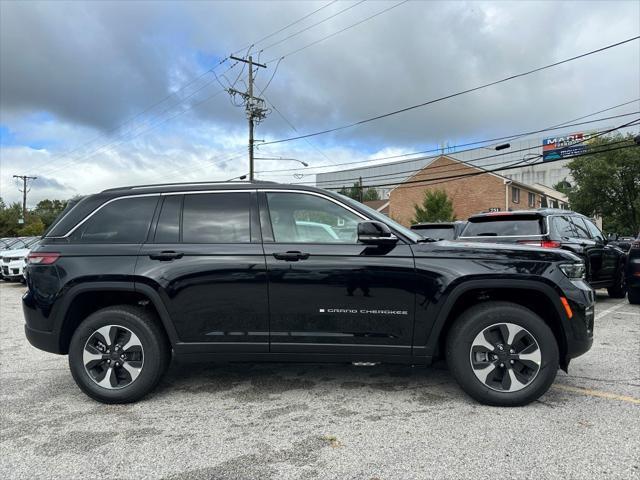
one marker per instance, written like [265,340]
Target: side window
[122,221]
[593,230]
[515,194]
[532,199]
[581,228]
[301,218]
[564,227]
[168,229]
[217,218]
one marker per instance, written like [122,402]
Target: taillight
[541,243]
[42,258]
[550,244]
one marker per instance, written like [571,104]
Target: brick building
[481,191]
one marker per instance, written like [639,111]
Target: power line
[339,31]
[499,169]
[311,26]
[456,94]
[478,142]
[285,27]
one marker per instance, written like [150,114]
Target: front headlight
[573,270]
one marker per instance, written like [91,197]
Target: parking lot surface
[284,421]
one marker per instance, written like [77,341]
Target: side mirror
[375,233]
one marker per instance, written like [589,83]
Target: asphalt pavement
[280,421]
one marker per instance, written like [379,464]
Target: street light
[281,158]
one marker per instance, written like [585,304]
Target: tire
[534,376]
[146,347]
[619,289]
[634,296]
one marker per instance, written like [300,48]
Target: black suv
[554,228]
[633,271]
[269,272]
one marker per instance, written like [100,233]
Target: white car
[13,261]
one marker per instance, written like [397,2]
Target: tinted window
[168,229]
[439,233]
[564,227]
[216,218]
[502,226]
[301,218]
[581,228]
[121,221]
[593,230]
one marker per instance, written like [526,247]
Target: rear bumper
[47,341]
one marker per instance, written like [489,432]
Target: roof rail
[180,184]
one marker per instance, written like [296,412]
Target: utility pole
[360,189]
[254,106]
[25,180]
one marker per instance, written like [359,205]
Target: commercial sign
[555,148]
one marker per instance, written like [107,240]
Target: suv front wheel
[502,354]
[118,354]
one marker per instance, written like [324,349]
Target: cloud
[88,67]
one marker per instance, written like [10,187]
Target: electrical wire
[467,163]
[285,27]
[271,45]
[293,52]
[452,95]
[478,142]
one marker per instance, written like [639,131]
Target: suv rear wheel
[118,354]
[634,296]
[502,354]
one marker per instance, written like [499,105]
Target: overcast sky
[82,84]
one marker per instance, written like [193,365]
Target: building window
[515,194]
[532,199]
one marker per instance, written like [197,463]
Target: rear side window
[564,227]
[581,228]
[217,218]
[124,220]
[503,226]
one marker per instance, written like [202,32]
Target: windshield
[383,218]
[502,227]
[438,233]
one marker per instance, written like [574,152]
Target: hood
[485,250]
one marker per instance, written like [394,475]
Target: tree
[368,194]
[436,207]
[48,210]
[607,184]
[563,186]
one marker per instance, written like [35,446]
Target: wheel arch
[539,297]
[83,300]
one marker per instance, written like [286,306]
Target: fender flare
[442,315]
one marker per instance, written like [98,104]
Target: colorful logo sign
[567,146]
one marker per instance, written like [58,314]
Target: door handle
[166,256]
[291,256]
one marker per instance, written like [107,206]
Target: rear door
[205,259]
[327,292]
[610,255]
[593,251]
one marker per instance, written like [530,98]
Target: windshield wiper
[427,240]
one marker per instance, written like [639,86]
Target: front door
[205,259]
[327,292]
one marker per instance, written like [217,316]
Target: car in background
[14,260]
[554,228]
[11,243]
[633,272]
[440,230]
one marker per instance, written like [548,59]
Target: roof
[538,212]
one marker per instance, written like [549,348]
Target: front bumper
[579,328]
